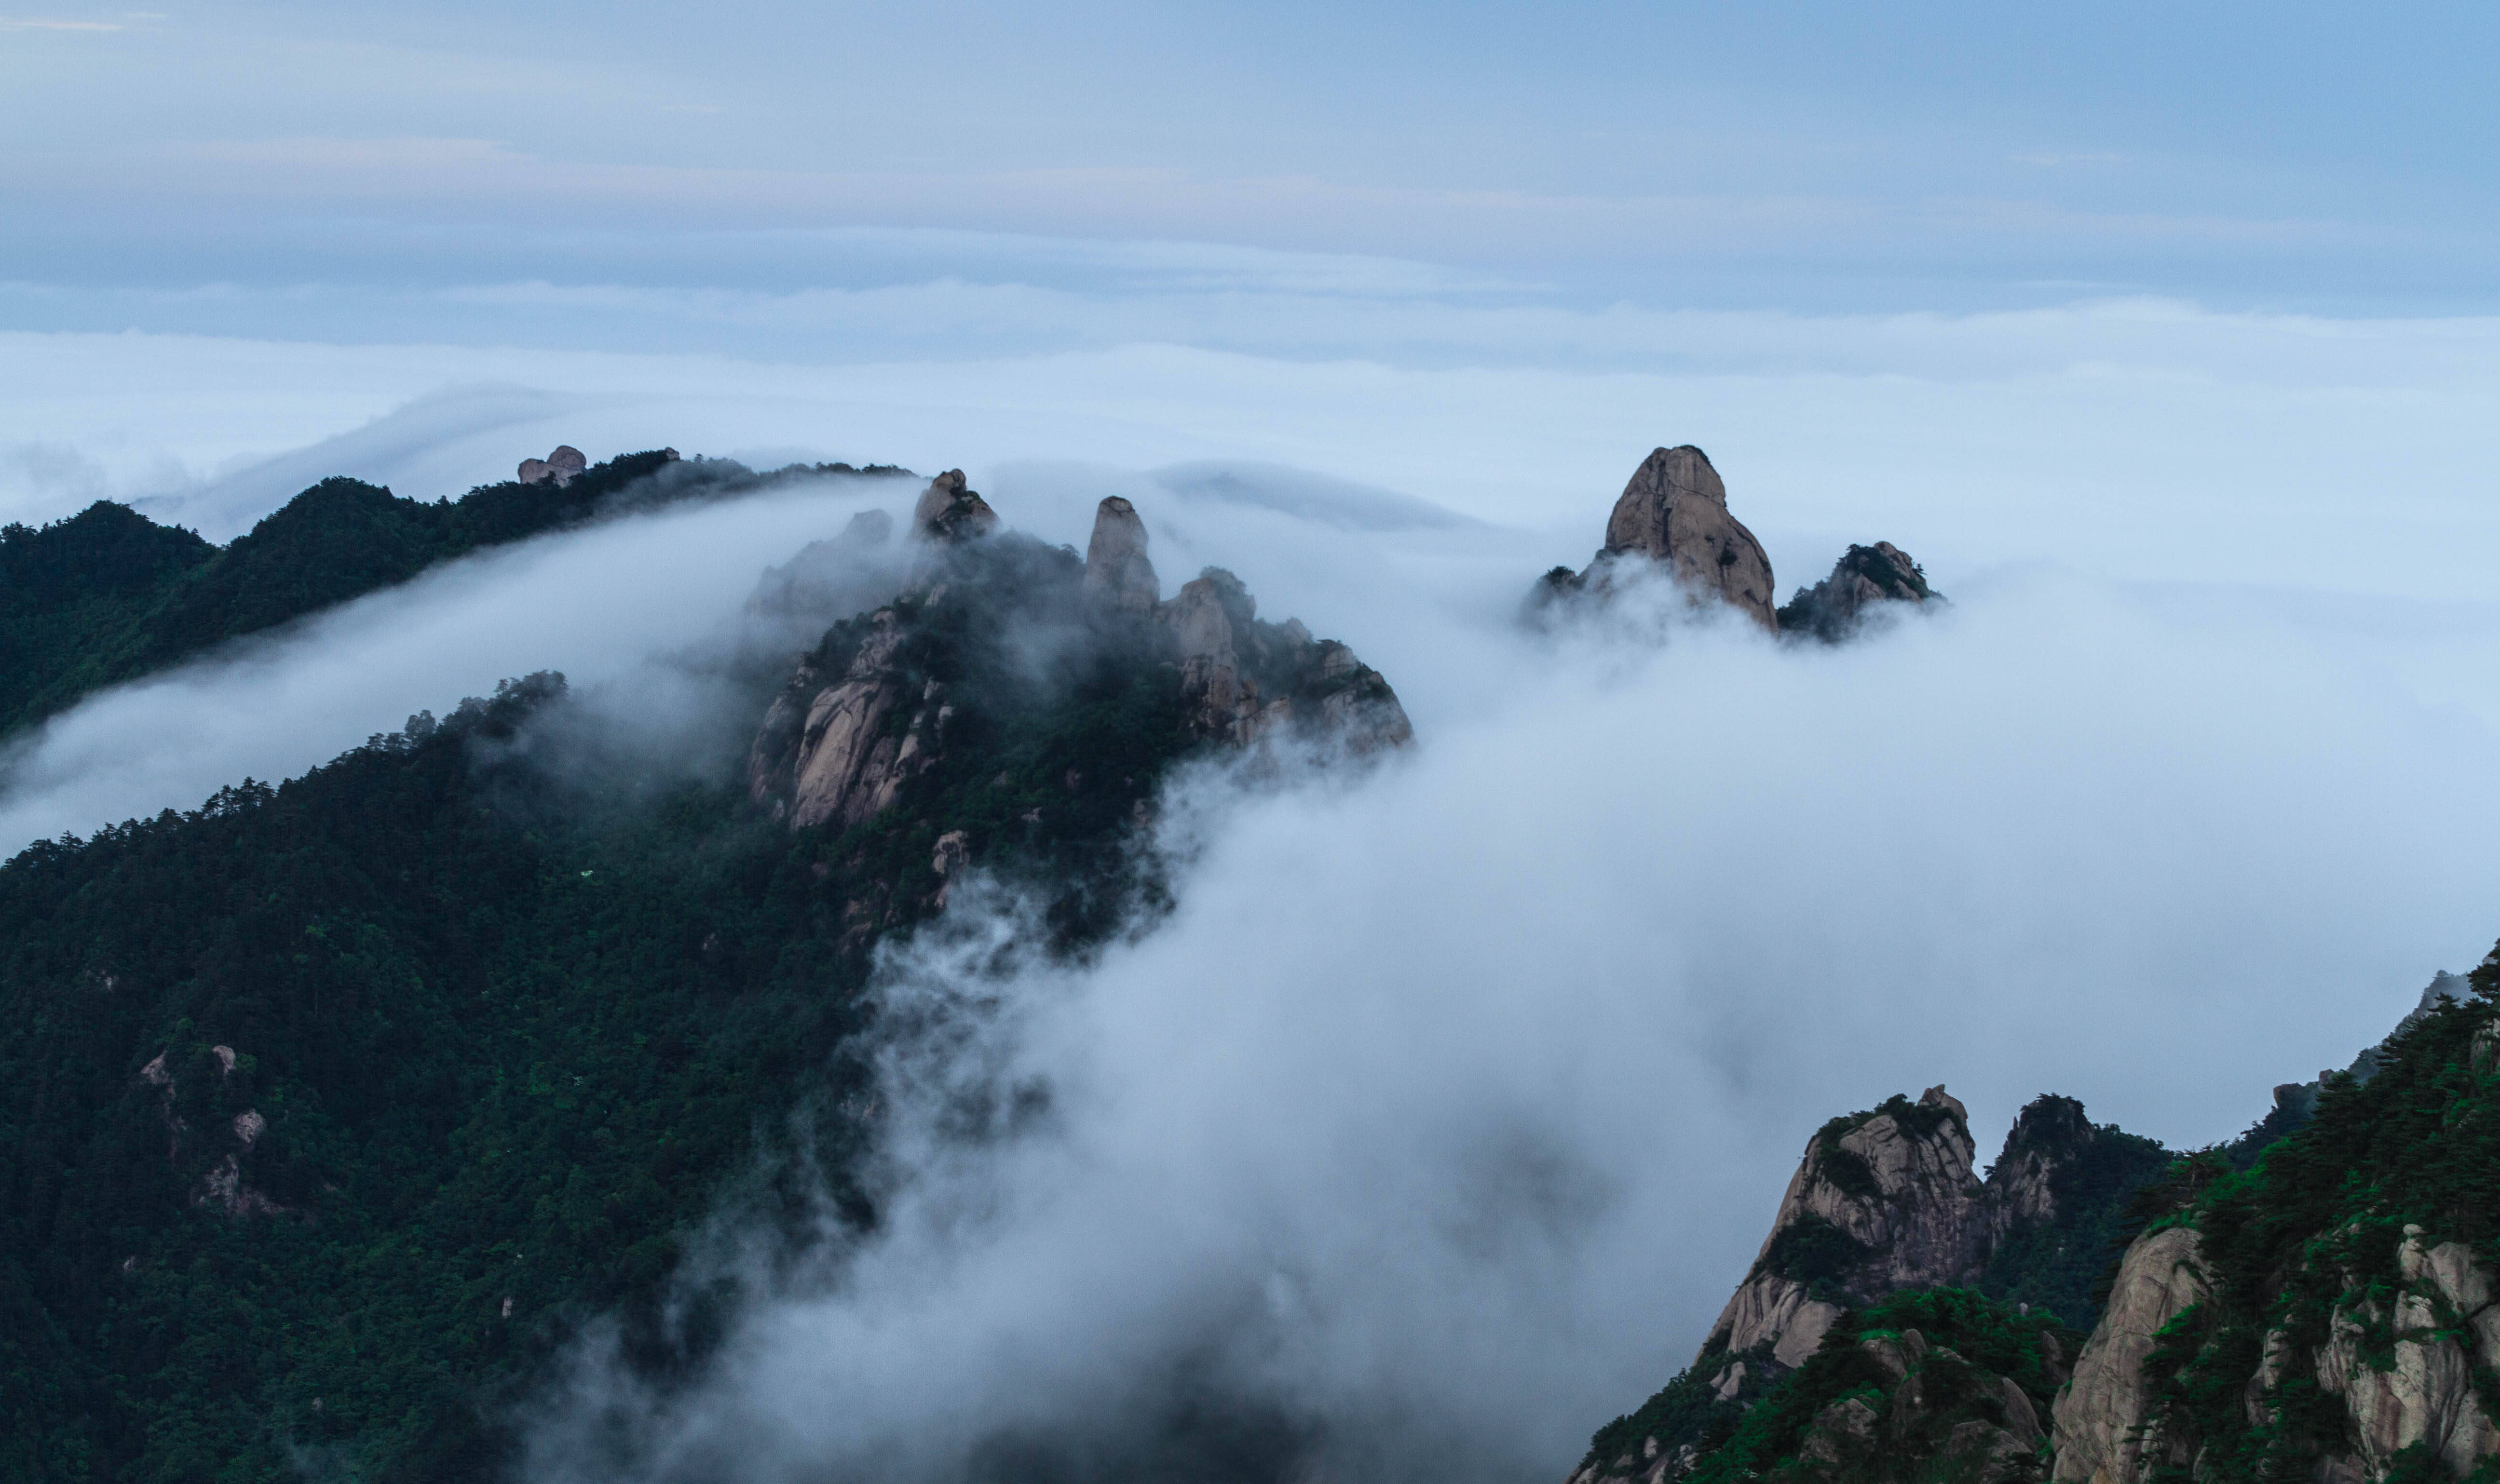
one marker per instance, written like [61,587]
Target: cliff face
[1886,1209]
[1079,675]
[1881,1201]
[1889,1200]
[2099,1417]
[1674,512]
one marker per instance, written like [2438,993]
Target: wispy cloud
[12,25]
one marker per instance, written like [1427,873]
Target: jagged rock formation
[1860,581]
[1243,680]
[1889,1200]
[1116,568]
[2317,1302]
[872,709]
[2402,1366]
[948,512]
[1937,1383]
[1886,1205]
[1880,1203]
[1673,513]
[2100,1418]
[562,465]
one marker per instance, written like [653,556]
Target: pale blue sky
[469,173]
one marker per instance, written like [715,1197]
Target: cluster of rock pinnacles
[839,749]
[1673,516]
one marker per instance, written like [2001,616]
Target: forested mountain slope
[107,595]
[333,1108]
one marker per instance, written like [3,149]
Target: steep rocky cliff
[1674,515]
[2099,1417]
[1886,1203]
[1930,1384]
[1021,697]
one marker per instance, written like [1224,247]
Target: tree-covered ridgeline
[107,595]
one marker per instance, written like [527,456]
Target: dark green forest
[334,1108]
[107,595]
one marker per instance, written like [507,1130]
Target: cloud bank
[1433,1127]
[1431,1130]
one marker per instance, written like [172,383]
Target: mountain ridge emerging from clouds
[339,1110]
[107,595]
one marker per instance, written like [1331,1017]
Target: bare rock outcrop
[2101,1422]
[1117,571]
[562,465]
[1242,681]
[845,762]
[949,512]
[220,1153]
[2422,1395]
[1862,582]
[1674,515]
[867,710]
[1883,1201]
[1889,1200]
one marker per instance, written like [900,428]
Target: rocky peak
[1242,681]
[949,513]
[562,466]
[1674,511]
[1116,568]
[872,708]
[1864,579]
[1888,1200]
[1673,514]
[1881,1200]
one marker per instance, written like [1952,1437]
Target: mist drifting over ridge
[1443,1111]
[1440,1116]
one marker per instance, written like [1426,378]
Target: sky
[1816,157]
[2165,336]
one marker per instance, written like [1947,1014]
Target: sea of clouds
[1432,1127]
